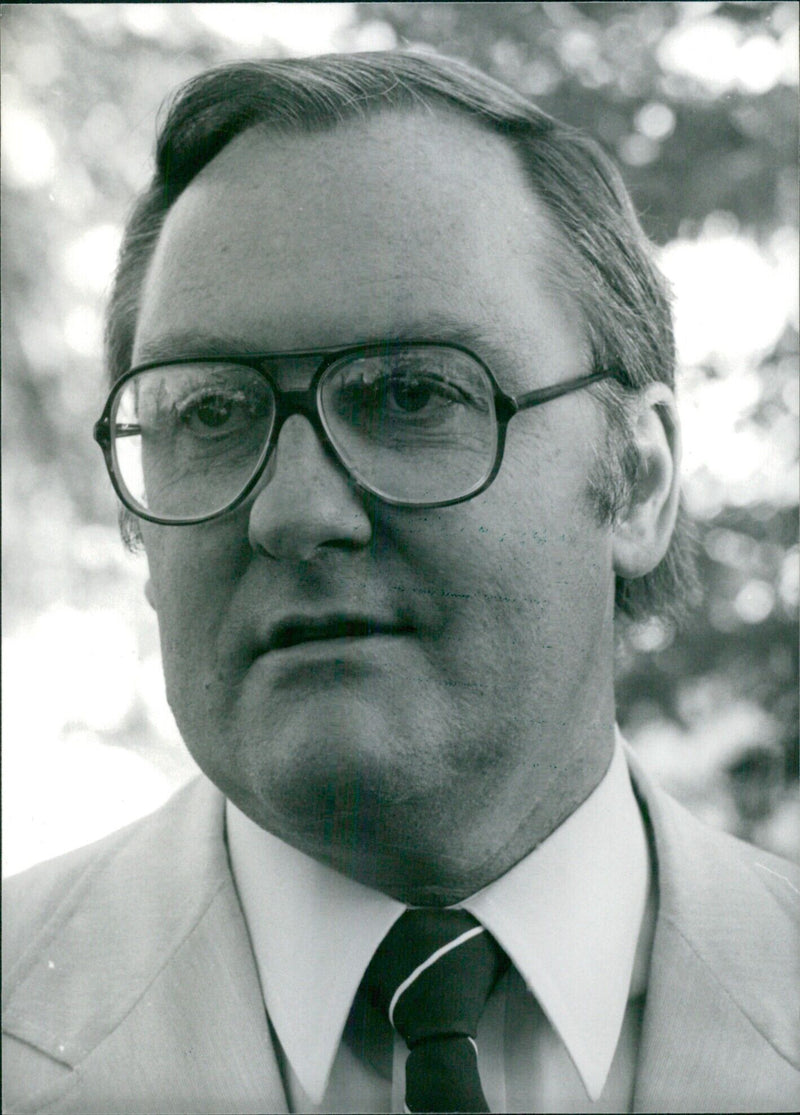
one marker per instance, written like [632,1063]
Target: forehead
[383,227]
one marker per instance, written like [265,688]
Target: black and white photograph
[400,557]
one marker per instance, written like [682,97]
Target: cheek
[536,563]
[193,572]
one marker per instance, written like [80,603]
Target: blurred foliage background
[697,101]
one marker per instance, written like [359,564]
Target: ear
[149,594]
[641,536]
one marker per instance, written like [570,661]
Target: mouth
[297,631]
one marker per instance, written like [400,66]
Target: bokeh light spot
[759,64]
[83,330]
[148,20]
[578,48]
[638,150]
[653,635]
[89,260]
[754,601]
[731,300]
[29,154]
[703,49]
[373,35]
[655,120]
[299,28]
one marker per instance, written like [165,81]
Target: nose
[305,501]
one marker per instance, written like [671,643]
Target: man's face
[428,757]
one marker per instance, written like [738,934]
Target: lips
[297,630]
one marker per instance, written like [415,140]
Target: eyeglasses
[417,424]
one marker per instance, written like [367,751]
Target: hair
[604,263]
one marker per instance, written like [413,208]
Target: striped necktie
[432,976]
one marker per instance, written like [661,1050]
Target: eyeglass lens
[415,426]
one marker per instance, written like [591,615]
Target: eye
[397,393]
[410,392]
[409,400]
[215,413]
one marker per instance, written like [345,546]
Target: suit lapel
[720,1027]
[143,982]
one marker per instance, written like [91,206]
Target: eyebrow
[439,327]
[188,342]
[498,347]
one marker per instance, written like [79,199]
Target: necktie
[432,975]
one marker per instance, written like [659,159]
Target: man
[391,413]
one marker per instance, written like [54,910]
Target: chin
[317,786]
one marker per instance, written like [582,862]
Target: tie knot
[433,973]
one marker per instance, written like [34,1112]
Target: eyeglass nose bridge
[304,402]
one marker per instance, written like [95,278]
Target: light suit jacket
[132,987]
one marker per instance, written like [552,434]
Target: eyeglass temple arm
[102,431]
[545,394]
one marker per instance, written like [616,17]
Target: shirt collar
[569,915]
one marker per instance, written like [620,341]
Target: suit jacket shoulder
[129,981]
[721,1030]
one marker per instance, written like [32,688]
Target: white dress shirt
[560,1031]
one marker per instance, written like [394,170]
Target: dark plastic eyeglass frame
[306,402]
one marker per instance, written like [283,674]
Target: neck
[423,863]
